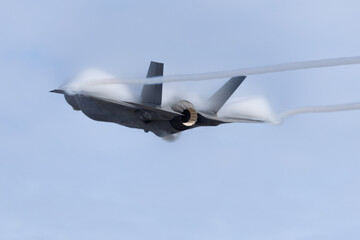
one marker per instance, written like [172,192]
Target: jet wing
[155,113]
[169,112]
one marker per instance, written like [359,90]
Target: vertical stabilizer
[152,93]
[219,98]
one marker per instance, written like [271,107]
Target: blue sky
[64,176]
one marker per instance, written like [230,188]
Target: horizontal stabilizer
[220,120]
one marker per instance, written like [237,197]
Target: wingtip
[58,91]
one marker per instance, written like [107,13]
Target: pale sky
[65,176]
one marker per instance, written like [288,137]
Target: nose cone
[58,91]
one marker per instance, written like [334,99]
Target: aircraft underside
[101,110]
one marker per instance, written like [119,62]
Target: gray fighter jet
[151,115]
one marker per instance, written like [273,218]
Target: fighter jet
[151,115]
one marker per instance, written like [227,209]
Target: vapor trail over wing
[238,72]
[319,109]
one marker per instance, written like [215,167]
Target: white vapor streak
[318,109]
[239,72]
[259,108]
[253,107]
